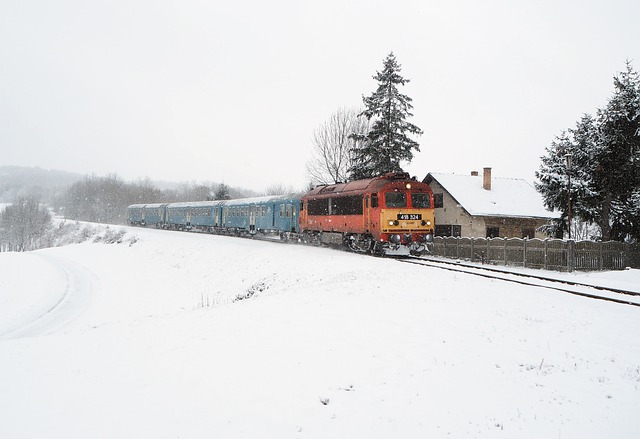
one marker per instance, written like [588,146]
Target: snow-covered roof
[509,197]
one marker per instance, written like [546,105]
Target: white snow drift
[175,335]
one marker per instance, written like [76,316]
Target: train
[388,214]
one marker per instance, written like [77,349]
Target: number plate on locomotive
[409,216]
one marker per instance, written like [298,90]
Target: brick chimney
[474,173]
[486,179]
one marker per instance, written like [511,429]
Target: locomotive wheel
[377,249]
[360,243]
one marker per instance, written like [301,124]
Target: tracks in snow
[566,286]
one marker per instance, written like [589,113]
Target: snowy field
[176,335]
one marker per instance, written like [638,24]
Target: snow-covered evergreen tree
[388,143]
[605,172]
[617,155]
[222,192]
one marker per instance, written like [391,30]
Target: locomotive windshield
[396,199]
[420,201]
[399,199]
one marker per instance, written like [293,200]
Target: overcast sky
[232,91]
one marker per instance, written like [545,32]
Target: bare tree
[23,225]
[193,191]
[334,144]
[279,189]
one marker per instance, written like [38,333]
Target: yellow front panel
[407,219]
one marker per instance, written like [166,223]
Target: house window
[528,233]
[493,232]
[448,230]
[438,200]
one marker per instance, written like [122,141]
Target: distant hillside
[48,184]
[17,181]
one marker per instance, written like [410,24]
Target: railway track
[590,291]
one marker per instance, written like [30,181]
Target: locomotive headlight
[428,222]
[408,185]
[390,222]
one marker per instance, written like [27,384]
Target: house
[479,206]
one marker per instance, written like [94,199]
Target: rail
[591,291]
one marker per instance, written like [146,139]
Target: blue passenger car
[202,215]
[134,214]
[147,214]
[197,215]
[270,214]
[274,215]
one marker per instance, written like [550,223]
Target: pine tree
[555,173]
[617,154]
[387,144]
[222,193]
[605,172]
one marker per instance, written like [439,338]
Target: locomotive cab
[406,216]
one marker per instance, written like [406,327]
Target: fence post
[546,255]
[505,251]
[571,254]
[524,253]
[601,256]
[473,254]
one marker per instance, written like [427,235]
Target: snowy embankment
[169,335]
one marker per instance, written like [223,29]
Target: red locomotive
[379,215]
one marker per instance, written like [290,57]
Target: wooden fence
[548,254]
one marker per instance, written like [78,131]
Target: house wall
[514,227]
[453,214]
[476,226]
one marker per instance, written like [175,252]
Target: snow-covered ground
[177,335]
